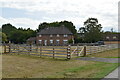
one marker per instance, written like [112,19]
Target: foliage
[70,41]
[78,40]
[92,30]
[3,36]
[7,29]
[67,24]
[19,35]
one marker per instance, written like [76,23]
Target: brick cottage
[54,36]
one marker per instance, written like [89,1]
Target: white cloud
[76,11]
[20,22]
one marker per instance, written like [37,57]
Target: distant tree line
[92,31]
[20,35]
[17,35]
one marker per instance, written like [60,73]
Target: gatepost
[84,51]
[68,53]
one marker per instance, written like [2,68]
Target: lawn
[25,66]
[107,54]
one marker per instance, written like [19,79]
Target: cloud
[20,22]
[76,11]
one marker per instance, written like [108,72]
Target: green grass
[26,66]
[91,70]
[105,70]
[114,53]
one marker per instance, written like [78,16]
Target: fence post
[37,48]
[9,47]
[18,49]
[68,53]
[53,53]
[4,48]
[30,47]
[40,51]
[77,50]
[84,51]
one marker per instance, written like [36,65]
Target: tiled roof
[55,30]
[31,39]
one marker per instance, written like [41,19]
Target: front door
[45,42]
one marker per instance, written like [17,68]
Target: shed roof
[31,39]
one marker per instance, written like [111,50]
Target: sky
[30,13]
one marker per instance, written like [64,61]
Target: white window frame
[107,37]
[57,41]
[65,41]
[40,41]
[40,35]
[65,35]
[51,41]
[114,37]
[51,35]
[58,35]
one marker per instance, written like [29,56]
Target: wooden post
[68,53]
[90,49]
[30,47]
[53,53]
[37,48]
[77,51]
[4,48]
[40,51]
[84,51]
[18,49]
[9,48]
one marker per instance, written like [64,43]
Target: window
[114,37]
[51,35]
[107,37]
[40,35]
[57,42]
[58,35]
[65,35]
[51,41]
[40,41]
[45,42]
[65,41]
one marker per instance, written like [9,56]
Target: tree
[3,36]
[19,35]
[70,41]
[67,24]
[7,28]
[92,30]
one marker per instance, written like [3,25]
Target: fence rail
[56,51]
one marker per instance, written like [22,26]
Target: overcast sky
[30,13]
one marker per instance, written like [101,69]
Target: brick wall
[54,38]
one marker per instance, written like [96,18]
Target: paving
[109,60]
[113,75]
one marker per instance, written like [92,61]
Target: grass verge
[24,66]
[107,54]
[98,70]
